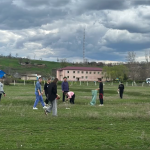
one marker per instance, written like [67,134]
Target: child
[71,96]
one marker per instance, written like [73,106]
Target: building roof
[81,68]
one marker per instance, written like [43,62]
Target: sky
[51,29]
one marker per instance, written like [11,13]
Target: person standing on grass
[100,91]
[46,90]
[121,89]
[52,97]
[71,96]
[38,94]
[1,90]
[64,87]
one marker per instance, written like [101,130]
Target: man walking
[121,89]
[1,90]
[100,91]
[65,88]
[46,89]
[38,94]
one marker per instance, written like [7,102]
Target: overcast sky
[51,29]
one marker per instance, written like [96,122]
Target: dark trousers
[46,100]
[101,98]
[0,96]
[121,94]
[64,96]
[72,99]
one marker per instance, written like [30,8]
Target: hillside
[12,65]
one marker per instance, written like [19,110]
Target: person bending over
[70,95]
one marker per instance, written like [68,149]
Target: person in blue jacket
[65,88]
[38,94]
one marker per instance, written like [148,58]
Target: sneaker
[44,107]
[45,112]
[101,105]
[35,108]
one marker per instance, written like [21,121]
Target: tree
[113,72]
[64,62]
[132,65]
[16,55]
[147,67]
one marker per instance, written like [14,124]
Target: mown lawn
[120,123]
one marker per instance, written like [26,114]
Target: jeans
[52,107]
[38,98]
[64,96]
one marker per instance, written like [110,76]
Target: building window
[73,76]
[94,72]
[82,71]
[67,71]
[73,71]
[98,72]
[86,77]
[78,71]
[90,72]
[82,77]
[86,72]
[68,77]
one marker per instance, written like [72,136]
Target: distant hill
[23,66]
[13,65]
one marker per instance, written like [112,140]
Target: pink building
[79,73]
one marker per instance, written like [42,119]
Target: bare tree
[64,62]
[16,55]
[147,58]
[132,65]
[9,56]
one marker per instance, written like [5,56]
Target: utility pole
[84,46]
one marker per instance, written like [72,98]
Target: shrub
[7,81]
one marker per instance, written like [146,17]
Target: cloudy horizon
[51,29]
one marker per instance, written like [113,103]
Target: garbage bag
[94,96]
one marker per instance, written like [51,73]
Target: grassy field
[120,123]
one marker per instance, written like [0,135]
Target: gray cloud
[54,28]
[39,3]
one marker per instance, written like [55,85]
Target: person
[52,97]
[100,91]
[38,94]
[121,89]
[1,90]
[70,95]
[65,88]
[46,90]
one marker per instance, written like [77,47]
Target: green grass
[121,123]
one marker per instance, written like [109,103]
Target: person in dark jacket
[46,89]
[65,88]
[100,91]
[121,90]
[52,97]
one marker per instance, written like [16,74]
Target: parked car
[148,80]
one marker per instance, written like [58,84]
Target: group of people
[50,90]
[100,89]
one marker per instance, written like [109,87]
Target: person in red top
[71,96]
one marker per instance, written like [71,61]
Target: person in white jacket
[1,90]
